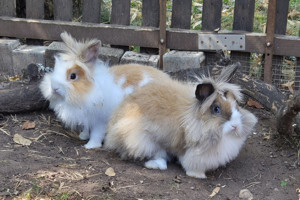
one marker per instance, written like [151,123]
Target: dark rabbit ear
[91,52]
[203,91]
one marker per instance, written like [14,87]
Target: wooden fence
[153,34]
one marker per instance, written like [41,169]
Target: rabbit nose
[234,127]
[55,90]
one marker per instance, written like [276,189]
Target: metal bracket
[221,41]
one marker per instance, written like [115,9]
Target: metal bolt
[162,41]
[268,44]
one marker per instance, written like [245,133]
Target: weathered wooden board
[150,17]
[211,20]
[211,16]
[181,14]
[282,8]
[243,20]
[120,12]
[8,8]
[63,10]
[35,9]
[91,11]
[131,35]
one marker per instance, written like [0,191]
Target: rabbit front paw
[196,174]
[93,144]
[84,135]
[159,163]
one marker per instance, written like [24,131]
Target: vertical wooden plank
[297,72]
[162,31]
[63,10]
[282,8]
[181,14]
[211,16]
[35,9]
[91,11]
[150,13]
[270,41]
[150,17]
[120,14]
[8,8]
[211,20]
[243,20]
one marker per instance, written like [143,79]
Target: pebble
[245,194]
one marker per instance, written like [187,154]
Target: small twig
[251,184]
[93,175]
[55,132]
[106,162]
[60,150]
[38,137]
[129,186]
[1,129]
[14,118]
[77,153]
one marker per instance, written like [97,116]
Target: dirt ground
[57,166]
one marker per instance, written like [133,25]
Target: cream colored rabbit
[200,124]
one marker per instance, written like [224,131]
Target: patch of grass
[107,196]
[62,196]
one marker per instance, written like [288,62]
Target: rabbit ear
[71,43]
[203,91]
[91,52]
[228,72]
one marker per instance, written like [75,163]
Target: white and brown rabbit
[83,91]
[200,124]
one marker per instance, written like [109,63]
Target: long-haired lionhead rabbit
[200,124]
[83,91]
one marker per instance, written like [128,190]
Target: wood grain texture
[35,9]
[120,12]
[91,11]
[8,8]
[211,20]
[131,35]
[243,20]
[211,16]
[150,17]
[282,7]
[181,14]
[63,10]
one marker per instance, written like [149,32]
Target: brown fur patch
[134,74]
[226,110]
[82,83]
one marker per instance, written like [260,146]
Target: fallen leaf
[110,172]
[28,125]
[14,78]
[215,191]
[177,179]
[254,104]
[267,137]
[19,139]
[245,194]
[289,85]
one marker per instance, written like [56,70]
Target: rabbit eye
[73,76]
[217,110]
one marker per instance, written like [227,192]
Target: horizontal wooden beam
[135,36]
